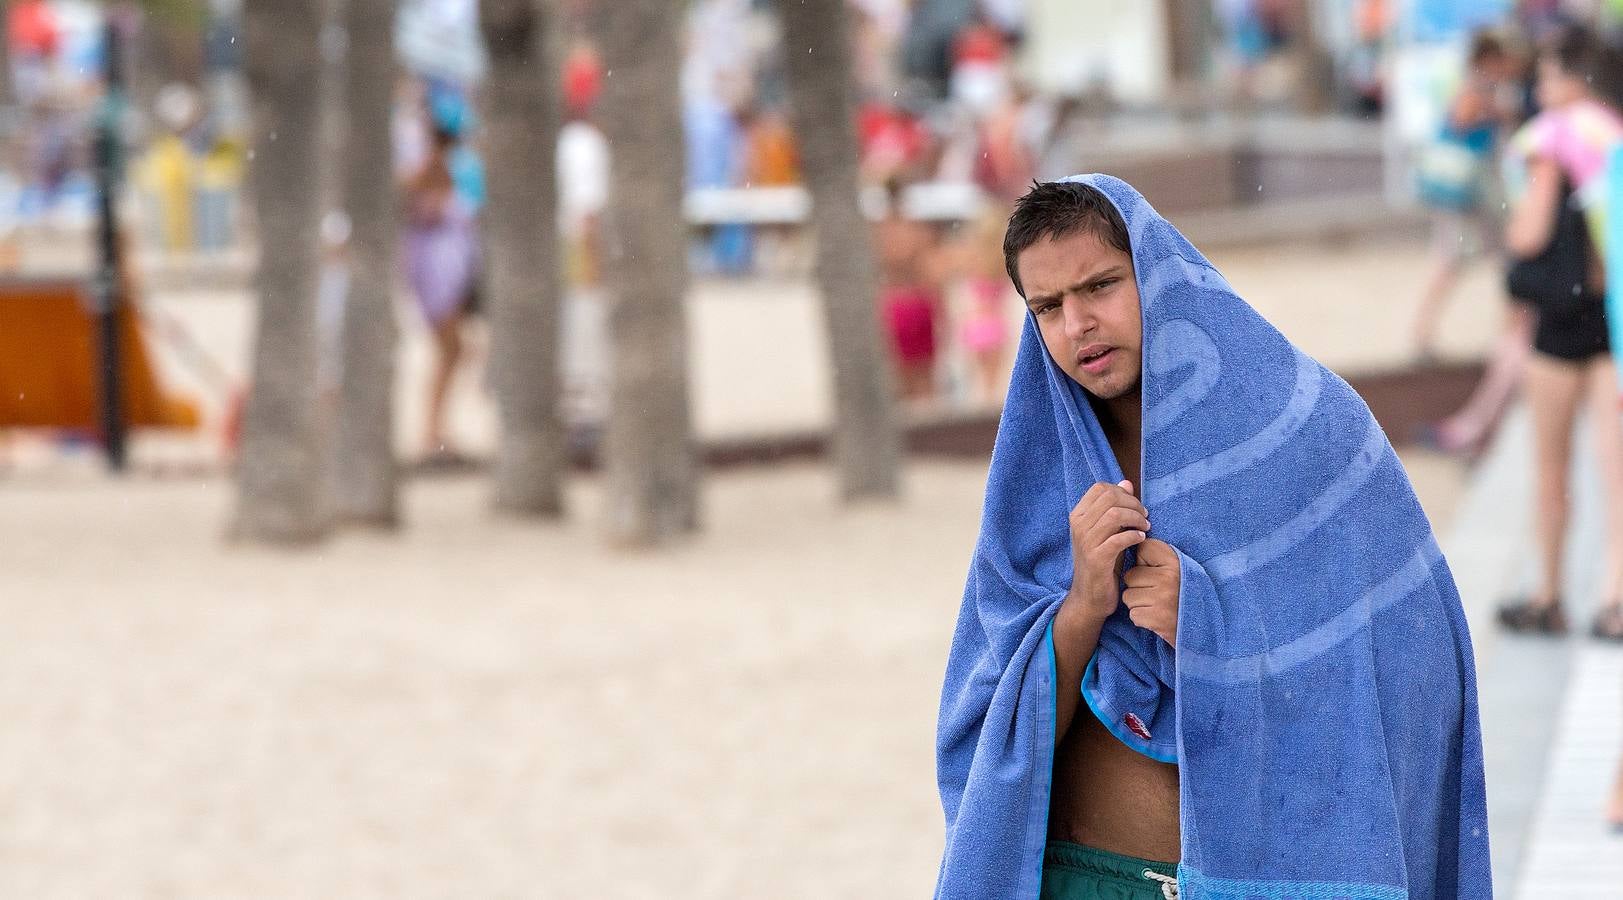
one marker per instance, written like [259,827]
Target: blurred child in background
[984,329]
[910,294]
[441,257]
[1455,178]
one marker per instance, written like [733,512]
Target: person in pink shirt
[1562,154]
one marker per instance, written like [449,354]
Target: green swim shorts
[1075,872]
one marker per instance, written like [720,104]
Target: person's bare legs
[1471,423]
[1445,274]
[1554,389]
[1607,423]
[447,353]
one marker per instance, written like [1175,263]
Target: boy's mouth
[1097,359]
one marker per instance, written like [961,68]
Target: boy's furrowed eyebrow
[1084,284]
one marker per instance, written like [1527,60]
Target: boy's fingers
[1102,498]
[1156,552]
[1120,541]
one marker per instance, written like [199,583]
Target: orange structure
[49,368]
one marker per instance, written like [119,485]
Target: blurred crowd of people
[945,96]
[54,52]
[943,293]
[1525,170]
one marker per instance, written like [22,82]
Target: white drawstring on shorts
[1169,884]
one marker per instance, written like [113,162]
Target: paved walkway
[1570,856]
[1552,710]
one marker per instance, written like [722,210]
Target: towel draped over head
[1321,703]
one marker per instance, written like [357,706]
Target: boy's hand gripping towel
[1321,702]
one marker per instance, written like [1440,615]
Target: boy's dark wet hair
[1056,209]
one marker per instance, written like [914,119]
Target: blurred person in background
[1553,231]
[893,140]
[979,80]
[55,136]
[910,295]
[583,77]
[1455,181]
[34,37]
[771,159]
[583,167]
[719,69]
[1007,160]
[168,168]
[451,111]
[715,159]
[876,33]
[1252,38]
[1365,75]
[583,171]
[1467,430]
[441,257]
[984,330]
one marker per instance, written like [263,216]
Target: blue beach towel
[1321,704]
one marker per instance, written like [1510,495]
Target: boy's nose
[1077,320]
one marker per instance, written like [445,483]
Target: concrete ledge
[1401,400]
[1318,218]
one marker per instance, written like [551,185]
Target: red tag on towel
[1137,726]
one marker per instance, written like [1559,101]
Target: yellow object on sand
[169,173]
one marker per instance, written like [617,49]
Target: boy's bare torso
[1106,795]
[1110,797]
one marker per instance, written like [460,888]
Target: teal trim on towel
[1194,886]
[1110,722]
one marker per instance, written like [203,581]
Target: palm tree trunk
[867,442]
[7,97]
[367,481]
[523,279]
[279,471]
[650,462]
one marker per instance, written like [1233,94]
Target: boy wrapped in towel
[1208,647]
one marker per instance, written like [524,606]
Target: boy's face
[1085,299]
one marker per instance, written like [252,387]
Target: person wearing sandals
[1551,233]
